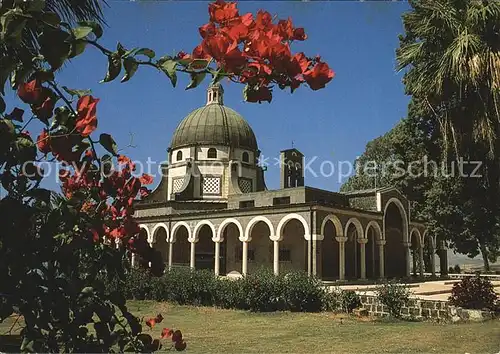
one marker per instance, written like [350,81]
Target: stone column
[133,260]
[314,254]
[421,258]
[244,259]
[309,256]
[362,253]
[443,261]
[192,258]
[407,246]
[433,262]
[276,260]
[341,241]
[381,244]
[170,254]
[217,258]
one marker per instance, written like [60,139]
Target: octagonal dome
[214,124]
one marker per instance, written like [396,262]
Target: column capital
[407,244]
[341,239]
[362,241]
[381,242]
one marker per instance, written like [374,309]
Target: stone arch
[397,248]
[224,224]
[199,226]
[145,228]
[156,229]
[176,227]
[404,216]
[331,229]
[160,239]
[357,225]
[259,233]
[352,248]
[336,223]
[285,220]
[253,222]
[415,249]
[373,234]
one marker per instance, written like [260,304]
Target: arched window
[245,157]
[179,156]
[212,153]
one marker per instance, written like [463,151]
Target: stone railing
[427,309]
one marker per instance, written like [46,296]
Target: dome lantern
[215,94]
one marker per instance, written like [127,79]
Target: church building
[212,210]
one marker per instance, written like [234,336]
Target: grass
[214,330]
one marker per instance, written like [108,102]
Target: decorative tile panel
[245,185]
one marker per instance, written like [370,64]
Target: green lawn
[214,330]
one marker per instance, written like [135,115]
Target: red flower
[207,30]
[30,92]
[221,11]
[166,332]
[45,109]
[218,45]
[43,142]
[95,235]
[123,160]
[16,114]
[264,21]
[146,179]
[239,28]
[144,192]
[285,29]
[319,76]
[199,53]
[299,34]
[151,323]
[87,121]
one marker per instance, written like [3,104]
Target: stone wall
[427,309]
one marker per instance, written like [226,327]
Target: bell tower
[292,172]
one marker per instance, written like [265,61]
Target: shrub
[394,296]
[264,291]
[473,293]
[349,300]
[332,300]
[303,293]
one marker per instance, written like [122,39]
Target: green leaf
[77,48]
[218,76]
[130,65]
[196,79]
[114,67]
[78,93]
[54,47]
[147,52]
[2,105]
[96,27]
[36,5]
[108,143]
[51,18]
[169,67]
[81,32]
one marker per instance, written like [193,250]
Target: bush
[394,296]
[474,293]
[349,300]
[261,291]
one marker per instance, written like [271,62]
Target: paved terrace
[430,290]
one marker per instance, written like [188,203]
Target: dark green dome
[214,124]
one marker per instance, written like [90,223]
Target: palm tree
[451,53]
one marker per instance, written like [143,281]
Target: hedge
[261,291]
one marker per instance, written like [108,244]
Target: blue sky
[357,39]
